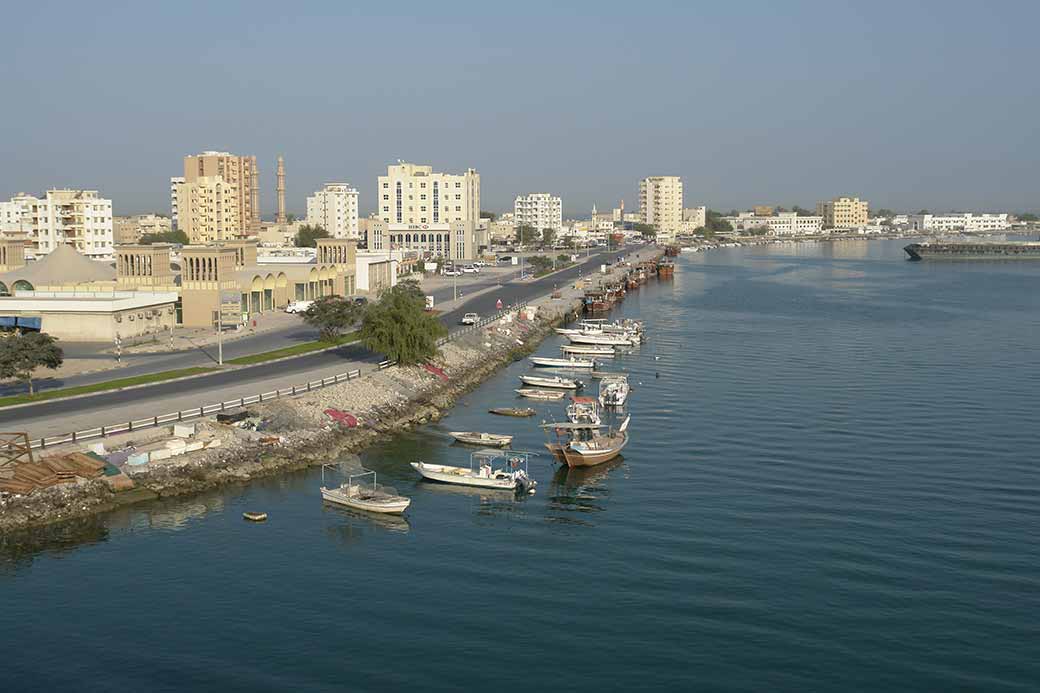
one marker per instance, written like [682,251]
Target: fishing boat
[535,393]
[600,352]
[600,339]
[613,390]
[505,470]
[361,493]
[485,439]
[586,444]
[548,362]
[555,382]
[583,410]
[513,411]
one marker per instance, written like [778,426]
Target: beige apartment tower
[843,213]
[661,205]
[219,198]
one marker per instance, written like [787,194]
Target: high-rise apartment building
[661,205]
[430,211]
[237,196]
[539,211]
[78,218]
[843,213]
[335,209]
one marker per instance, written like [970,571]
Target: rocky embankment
[297,433]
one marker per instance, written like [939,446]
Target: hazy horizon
[909,106]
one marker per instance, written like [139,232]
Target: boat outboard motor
[524,483]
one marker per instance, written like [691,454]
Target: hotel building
[661,205]
[539,211]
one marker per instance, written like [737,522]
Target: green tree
[802,211]
[923,211]
[704,231]
[487,215]
[332,315]
[177,236]
[21,355]
[540,263]
[290,218]
[1028,216]
[884,213]
[548,237]
[307,236]
[714,222]
[398,326]
[526,234]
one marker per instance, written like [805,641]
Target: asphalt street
[58,416]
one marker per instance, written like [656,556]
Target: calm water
[832,484]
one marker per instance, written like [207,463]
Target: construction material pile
[26,476]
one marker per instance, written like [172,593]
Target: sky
[907,104]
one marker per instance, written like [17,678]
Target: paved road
[61,416]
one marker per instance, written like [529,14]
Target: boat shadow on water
[580,490]
[356,522]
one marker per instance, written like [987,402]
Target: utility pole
[217,319]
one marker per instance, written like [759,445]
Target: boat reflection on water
[488,501]
[350,524]
[580,490]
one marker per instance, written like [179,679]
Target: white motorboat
[555,382]
[360,494]
[613,390]
[572,362]
[480,438]
[600,352]
[600,339]
[497,469]
[535,393]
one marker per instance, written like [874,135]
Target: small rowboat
[513,411]
[359,494]
[255,517]
[484,439]
[534,393]
[557,382]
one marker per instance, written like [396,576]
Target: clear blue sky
[910,104]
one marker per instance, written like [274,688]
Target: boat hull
[460,476]
[573,459]
[387,508]
[485,440]
[545,395]
[546,383]
[973,251]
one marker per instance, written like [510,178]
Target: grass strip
[102,387]
[295,350]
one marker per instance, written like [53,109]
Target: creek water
[831,484]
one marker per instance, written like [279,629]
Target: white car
[298,306]
[470,269]
[470,319]
[452,273]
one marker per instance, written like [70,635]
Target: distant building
[81,219]
[335,209]
[661,205]
[539,211]
[764,210]
[959,222]
[694,218]
[219,198]
[175,182]
[130,229]
[374,232]
[790,224]
[278,235]
[843,213]
[430,211]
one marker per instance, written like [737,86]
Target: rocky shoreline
[385,403]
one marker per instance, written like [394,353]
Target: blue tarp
[32,323]
[7,322]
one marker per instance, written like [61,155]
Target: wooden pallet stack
[25,477]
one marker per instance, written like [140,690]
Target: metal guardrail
[210,409]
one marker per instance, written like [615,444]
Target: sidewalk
[193,338]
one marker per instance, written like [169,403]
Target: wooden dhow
[585,444]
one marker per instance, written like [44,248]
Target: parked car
[470,319]
[470,269]
[298,306]
[451,272]
[360,300]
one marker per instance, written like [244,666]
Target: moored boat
[547,362]
[600,339]
[484,471]
[513,411]
[613,390]
[360,494]
[555,382]
[600,352]
[480,438]
[535,393]
[583,410]
[585,445]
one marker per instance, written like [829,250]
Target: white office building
[175,183]
[539,211]
[335,209]
[959,222]
[430,211]
[77,218]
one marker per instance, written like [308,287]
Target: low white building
[335,209]
[539,211]
[376,271]
[790,224]
[91,316]
[81,219]
[959,222]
